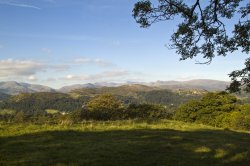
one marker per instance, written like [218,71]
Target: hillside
[36,102]
[200,84]
[67,89]
[3,96]
[128,94]
[124,90]
[13,88]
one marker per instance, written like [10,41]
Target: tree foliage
[216,109]
[104,107]
[147,111]
[167,97]
[203,30]
[35,102]
[104,102]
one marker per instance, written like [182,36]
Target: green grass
[7,112]
[52,111]
[123,143]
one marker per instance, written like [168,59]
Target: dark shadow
[134,147]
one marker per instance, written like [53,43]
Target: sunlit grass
[7,112]
[19,129]
[51,111]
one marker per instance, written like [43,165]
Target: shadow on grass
[134,147]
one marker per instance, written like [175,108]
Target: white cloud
[12,67]
[27,68]
[32,78]
[17,4]
[96,61]
[69,77]
[104,76]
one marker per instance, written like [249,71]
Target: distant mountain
[124,90]
[13,88]
[69,88]
[200,84]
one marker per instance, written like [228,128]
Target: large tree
[203,30]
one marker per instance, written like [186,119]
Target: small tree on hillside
[19,117]
[104,107]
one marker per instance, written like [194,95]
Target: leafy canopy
[104,102]
[202,30]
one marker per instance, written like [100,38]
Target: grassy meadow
[131,142]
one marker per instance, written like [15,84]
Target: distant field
[120,143]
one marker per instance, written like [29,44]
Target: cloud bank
[12,67]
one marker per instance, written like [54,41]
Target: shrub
[188,112]
[7,115]
[215,109]
[145,111]
[19,117]
[104,107]
[242,118]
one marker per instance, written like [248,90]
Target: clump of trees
[147,111]
[107,107]
[216,109]
[37,102]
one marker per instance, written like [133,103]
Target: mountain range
[13,87]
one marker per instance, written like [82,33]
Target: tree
[19,117]
[104,107]
[212,109]
[203,30]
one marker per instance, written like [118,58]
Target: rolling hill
[3,96]
[13,88]
[201,84]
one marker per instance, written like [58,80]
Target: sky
[64,42]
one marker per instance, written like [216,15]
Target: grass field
[123,143]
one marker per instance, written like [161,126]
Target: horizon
[118,83]
[60,43]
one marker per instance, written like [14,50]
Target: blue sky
[63,42]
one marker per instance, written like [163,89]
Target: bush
[147,111]
[104,107]
[215,109]
[19,117]
[242,118]
[7,115]
[188,112]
